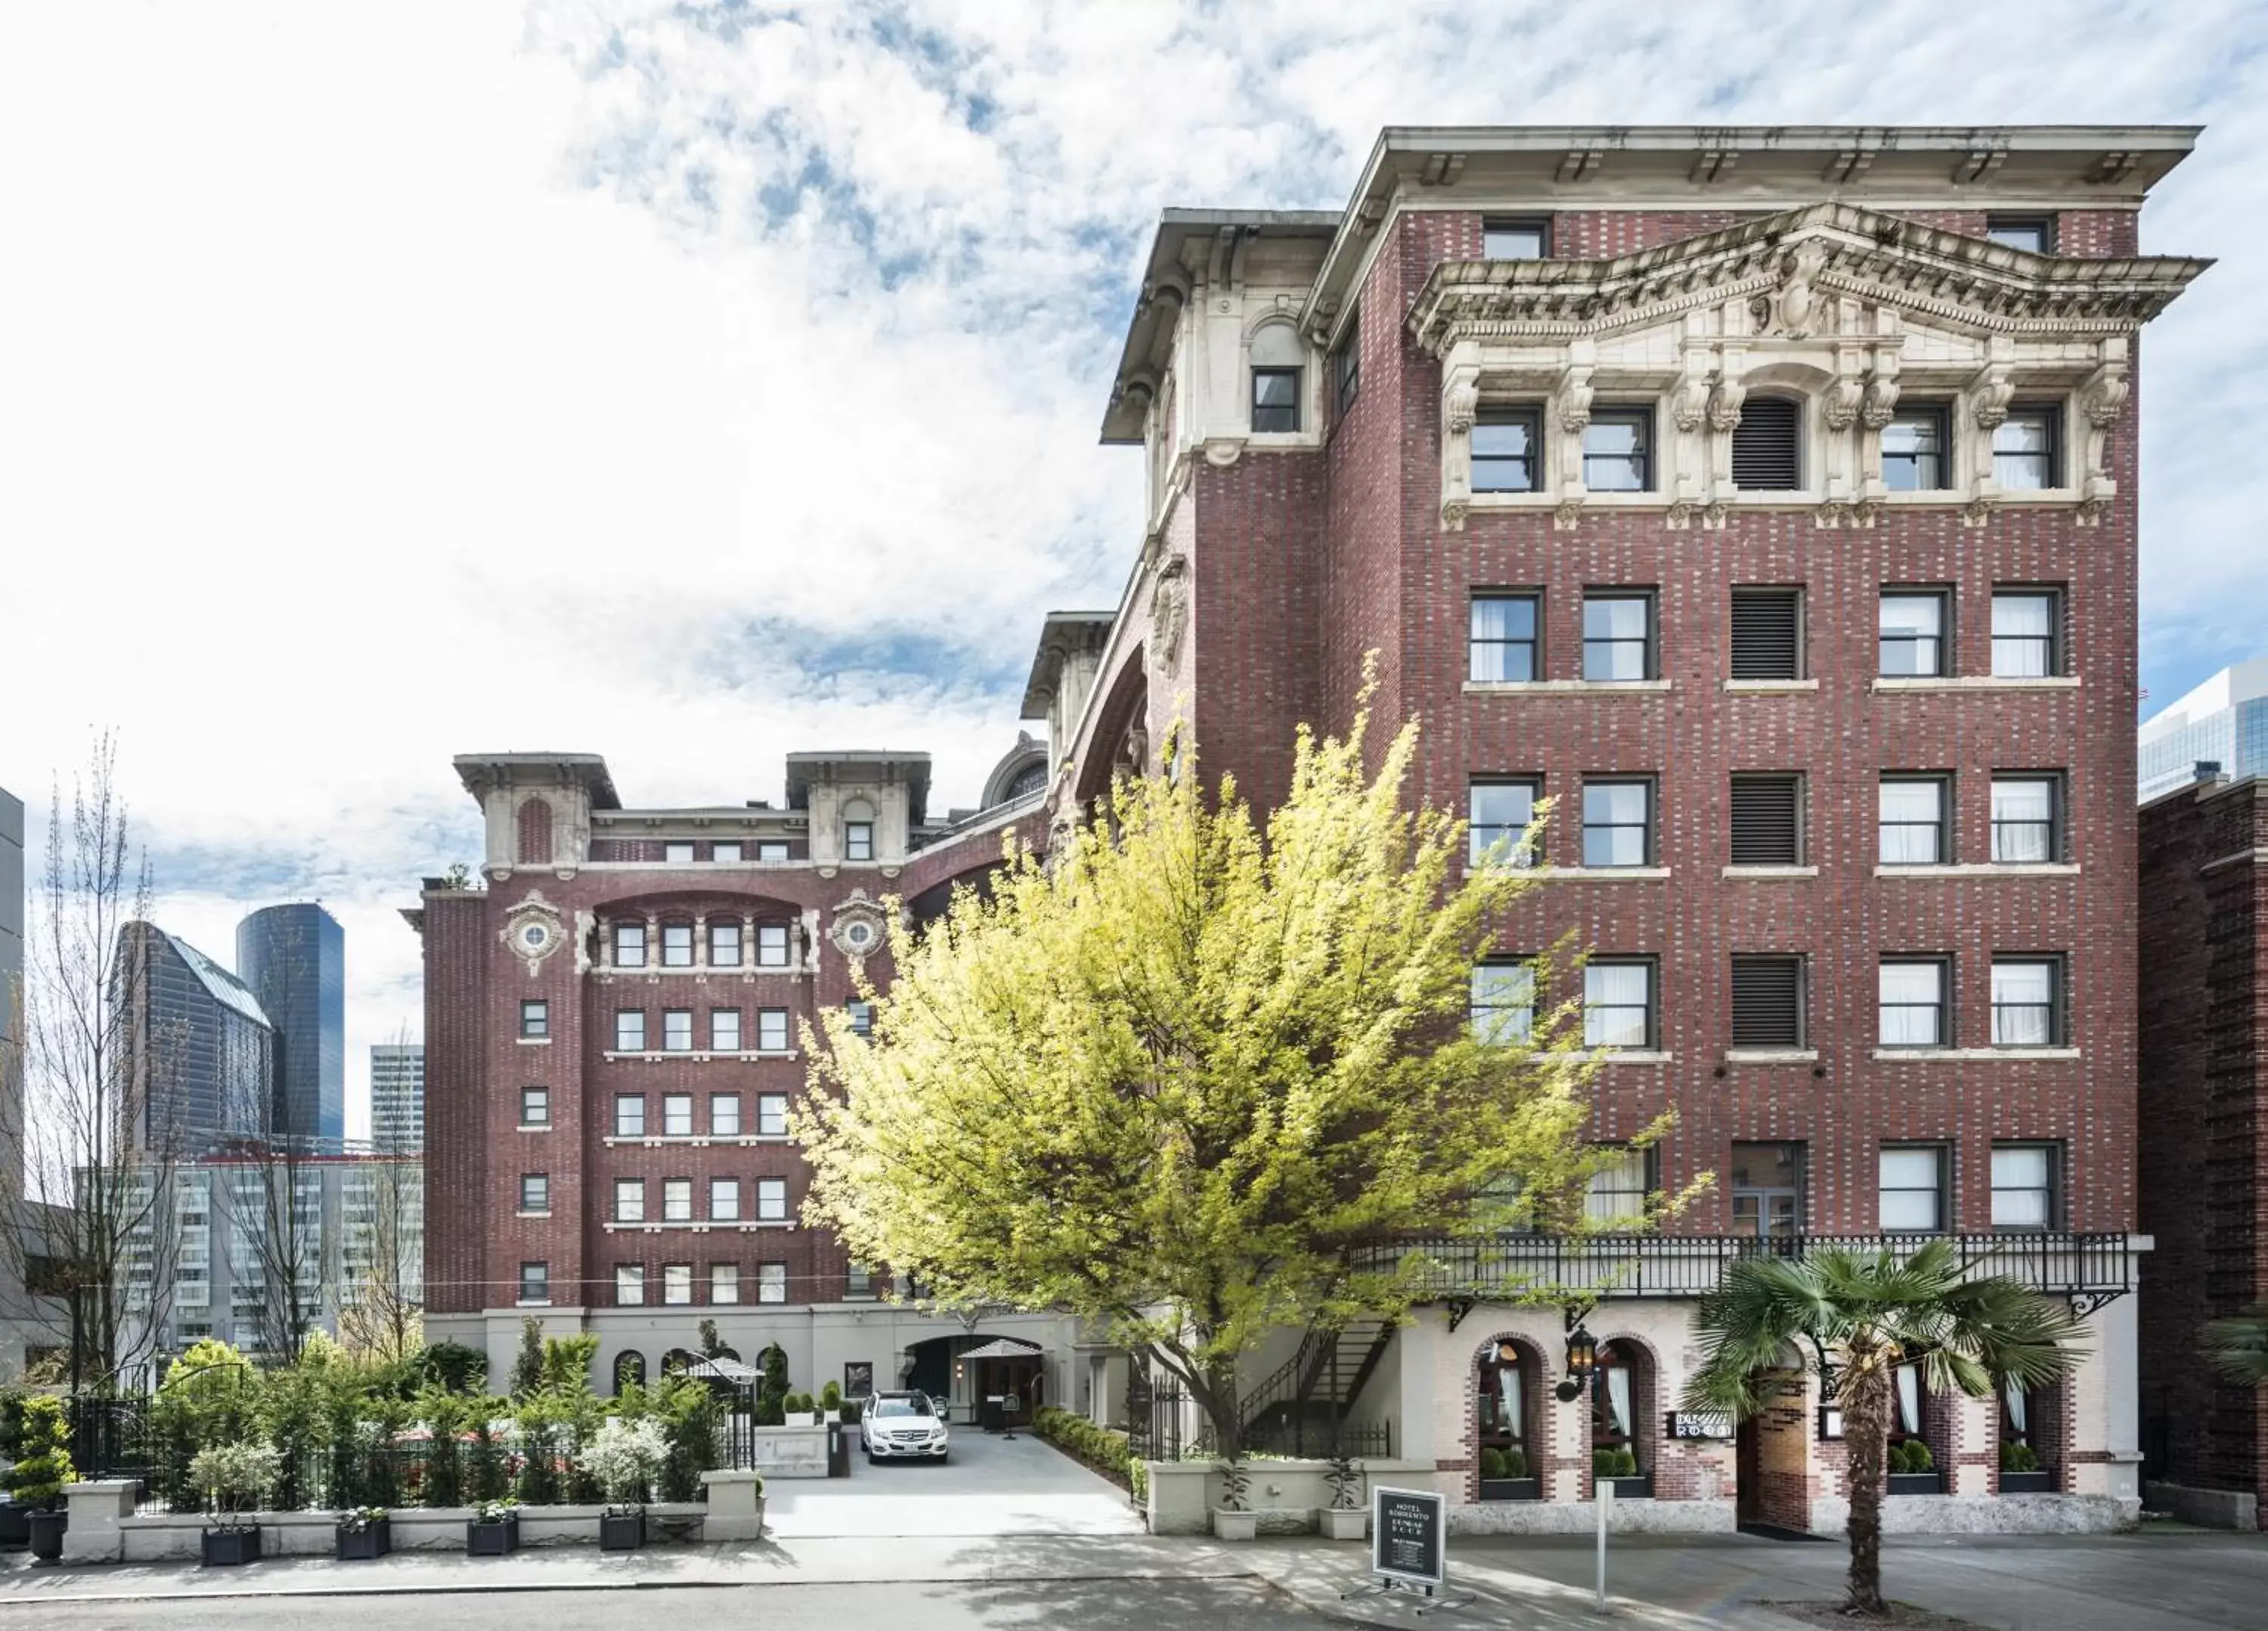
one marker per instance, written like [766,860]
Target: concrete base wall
[1986,1515]
[1572,1518]
[2210,1509]
[171,1536]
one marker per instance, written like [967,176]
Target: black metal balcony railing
[2089,1267]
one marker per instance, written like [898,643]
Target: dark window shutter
[1765,639]
[1767,825]
[1767,1002]
[1763,447]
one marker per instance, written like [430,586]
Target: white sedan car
[902,1424]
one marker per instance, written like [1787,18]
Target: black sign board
[858,1378]
[1409,1543]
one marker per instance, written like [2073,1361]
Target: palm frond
[2237,1345]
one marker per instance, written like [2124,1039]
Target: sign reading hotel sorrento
[1843,307]
[1409,1545]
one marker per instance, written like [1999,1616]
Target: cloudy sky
[693,382]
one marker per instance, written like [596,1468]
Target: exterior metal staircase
[1301,1407]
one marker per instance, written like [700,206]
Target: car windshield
[917,1406]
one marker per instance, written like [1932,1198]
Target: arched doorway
[1771,1452]
[965,1371]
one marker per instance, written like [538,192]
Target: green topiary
[1602,1463]
[1492,1464]
[1918,1457]
[37,1479]
[1515,1464]
[830,1397]
[2017,1457]
[1625,1463]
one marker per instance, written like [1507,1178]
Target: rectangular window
[1275,400]
[1503,1001]
[1767,1002]
[1501,647]
[725,855]
[629,1285]
[534,1191]
[536,1019]
[771,1029]
[724,1030]
[677,945]
[1619,1004]
[1346,370]
[676,1284]
[535,1283]
[1912,1002]
[630,1031]
[2025,624]
[771,1282]
[773,849]
[2025,819]
[1617,637]
[676,1200]
[677,854]
[858,1283]
[536,1107]
[1914,448]
[1912,812]
[1767,634]
[677,1115]
[2023,1186]
[1497,814]
[2026,1002]
[2025,451]
[1767,820]
[677,1030]
[2033,233]
[1913,635]
[724,1282]
[724,1115]
[725,1200]
[1617,822]
[724,945]
[771,1115]
[1507,451]
[1767,1191]
[771,945]
[1527,238]
[629,946]
[629,1201]
[771,1199]
[630,1115]
[857,841]
[862,1016]
[1619,452]
[1618,1194]
[1910,1197]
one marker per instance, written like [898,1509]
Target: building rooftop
[2240,682]
[225,988]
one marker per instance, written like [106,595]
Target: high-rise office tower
[293,958]
[397,1097]
[2223,722]
[198,1045]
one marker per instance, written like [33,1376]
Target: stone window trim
[768,945]
[702,1055]
[699,1226]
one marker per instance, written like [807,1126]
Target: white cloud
[378,383]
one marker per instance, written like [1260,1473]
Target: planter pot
[1916,1484]
[500,1539]
[2041,1482]
[1228,1525]
[1513,1489]
[47,1534]
[225,1549]
[1638,1489]
[622,1532]
[1343,1523]
[367,1544]
[15,1524]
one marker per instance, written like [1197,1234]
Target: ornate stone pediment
[860,928]
[533,930]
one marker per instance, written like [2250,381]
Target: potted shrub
[1231,1519]
[1619,1467]
[2020,1471]
[234,1479]
[1913,1470]
[1504,1476]
[37,1479]
[622,1457]
[799,1410]
[362,1532]
[493,1530]
[1344,1519]
[15,1514]
[830,1401]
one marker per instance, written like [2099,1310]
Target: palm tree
[2237,1345]
[1863,1314]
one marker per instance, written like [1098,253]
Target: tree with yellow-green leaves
[1182,1079]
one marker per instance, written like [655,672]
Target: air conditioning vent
[1767,1002]
[1766,639]
[1764,446]
[1767,820]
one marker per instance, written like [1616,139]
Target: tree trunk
[1865,1438]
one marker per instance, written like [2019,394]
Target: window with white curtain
[1504,1002]
[1910,1197]
[1618,1005]
[1909,1400]
[1911,1003]
[2027,1011]
[1618,1194]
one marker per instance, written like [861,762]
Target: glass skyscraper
[2224,721]
[397,1097]
[199,1048]
[293,958]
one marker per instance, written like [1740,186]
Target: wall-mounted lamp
[1582,1360]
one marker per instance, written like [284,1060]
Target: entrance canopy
[732,1370]
[1002,1347]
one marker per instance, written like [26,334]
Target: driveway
[989,1485]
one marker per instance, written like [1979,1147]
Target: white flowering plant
[622,1457]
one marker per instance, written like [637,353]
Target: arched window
[1911,1459]
[1624,1428]
[1767,446]
[677,1361]
[1279,359]
[1029,780]
[1509,1433]
[535,837]
[2028,1436]
[629,1366]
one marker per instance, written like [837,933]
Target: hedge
[1100,1447]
